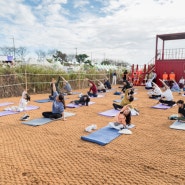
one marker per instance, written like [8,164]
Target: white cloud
[127,31]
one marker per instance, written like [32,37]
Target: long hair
[61,98]
[128,118]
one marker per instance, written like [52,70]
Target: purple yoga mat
[31,107]
[110,113]
[161,106]
[8,112]
[72,105]
[5,104]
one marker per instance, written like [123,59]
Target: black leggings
[116,106]
[169,103]
[51,115]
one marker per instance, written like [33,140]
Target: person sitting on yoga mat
[57,107]
[127,99]
[175,87]
[100,86]
[122,119]
[84,100]
[181,110]
[166,96]
[155,92]
[107,83]
[127,85]
[148,84]
[67,87]
[93,89]
[22,105]
[56,85]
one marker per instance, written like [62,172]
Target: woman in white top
[155,92]
[166,96]
[100,86]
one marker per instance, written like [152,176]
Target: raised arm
[164,83]
[53,84]
[64,79]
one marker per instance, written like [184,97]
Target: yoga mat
[72,105]
[118,101]
[9,112]
[31,107]
[99,96]
[42,121]
[102,136]
[114,112]
[5,104]
[161,106]
[76,92]
[110,113]
[178,125]
[43,101]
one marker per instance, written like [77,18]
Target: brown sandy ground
[54,153]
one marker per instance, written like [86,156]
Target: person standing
[114,78]
[125,75]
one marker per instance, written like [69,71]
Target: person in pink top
[122,119]
[93,89]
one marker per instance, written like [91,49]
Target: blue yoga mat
[102,136]
[37,122]
[42,121]
[43,101]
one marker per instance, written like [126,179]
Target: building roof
[172,36]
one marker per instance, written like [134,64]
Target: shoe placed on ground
[90,128]
[125,131]
[94,127]
[25,117]
[116,126]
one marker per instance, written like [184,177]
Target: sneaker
[94,127]
[89,128]
[125,131]
[116,126]
[25,117]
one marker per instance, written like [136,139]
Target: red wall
[177,66]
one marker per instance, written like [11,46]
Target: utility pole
[13,46]
[76,54]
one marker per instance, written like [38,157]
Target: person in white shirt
[181,83]
[148,84]
[100,86]
[22,106]
[166,96]
[154,76]
[155,92]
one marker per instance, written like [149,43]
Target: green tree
[81,58]
[59,56]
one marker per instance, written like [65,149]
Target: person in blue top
[57,107]
[66,86]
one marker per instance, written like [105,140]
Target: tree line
[51,55]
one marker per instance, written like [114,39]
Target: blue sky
[114,29]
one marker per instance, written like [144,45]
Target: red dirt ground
[54,153]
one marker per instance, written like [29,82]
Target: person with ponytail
[57,107]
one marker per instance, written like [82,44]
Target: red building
[165,60]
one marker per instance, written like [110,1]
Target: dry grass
[54,153]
